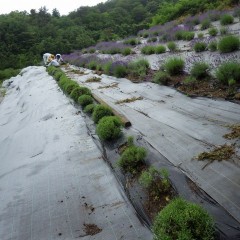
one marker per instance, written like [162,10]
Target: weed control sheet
[54,183]
[179,128]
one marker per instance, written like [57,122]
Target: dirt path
[54,183]
[180,128]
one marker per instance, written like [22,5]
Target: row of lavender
[170,31]
[227,72]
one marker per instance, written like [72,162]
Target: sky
[63,6]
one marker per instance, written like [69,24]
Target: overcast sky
[63,6]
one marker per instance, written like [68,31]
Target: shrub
[212,46]
[195,21]
[156,180]
[178,35]
[205,24]
[145,35]
[120,71]
[228,44]
[109,128]
[188,35]
[161,78]
[130,141]
[160,49]
[138,69]
[190,81]
[63,81]
[148,50]
[199,70]
[101,111]
[200,35]
[68,87]
[58,75]
[226,19]
[92,50]
[200,47]
[236,12]
[172,46]
[174,66]
[214,16]
[223,31]
[107,67]
[126,51]
[231,82]
[153,39]
[99,67]
[92,65]
[183,220]
[213,31]
[78,91]
[132,158]
[89,108]
[85,100]
[227,71]
[8,73]
[131,41]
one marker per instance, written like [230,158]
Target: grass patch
[129,100]
[224,152]
[93,79]
[235,132]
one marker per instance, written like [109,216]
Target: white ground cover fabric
[180,128]
[53,179]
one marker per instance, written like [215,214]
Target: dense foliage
[171,10]
[183,220]
[26,36]
[109,128]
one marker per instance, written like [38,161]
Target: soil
[204,88]
[91,229]
[154,204]
[154,198]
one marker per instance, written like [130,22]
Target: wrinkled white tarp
[180,128]
[53,179]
